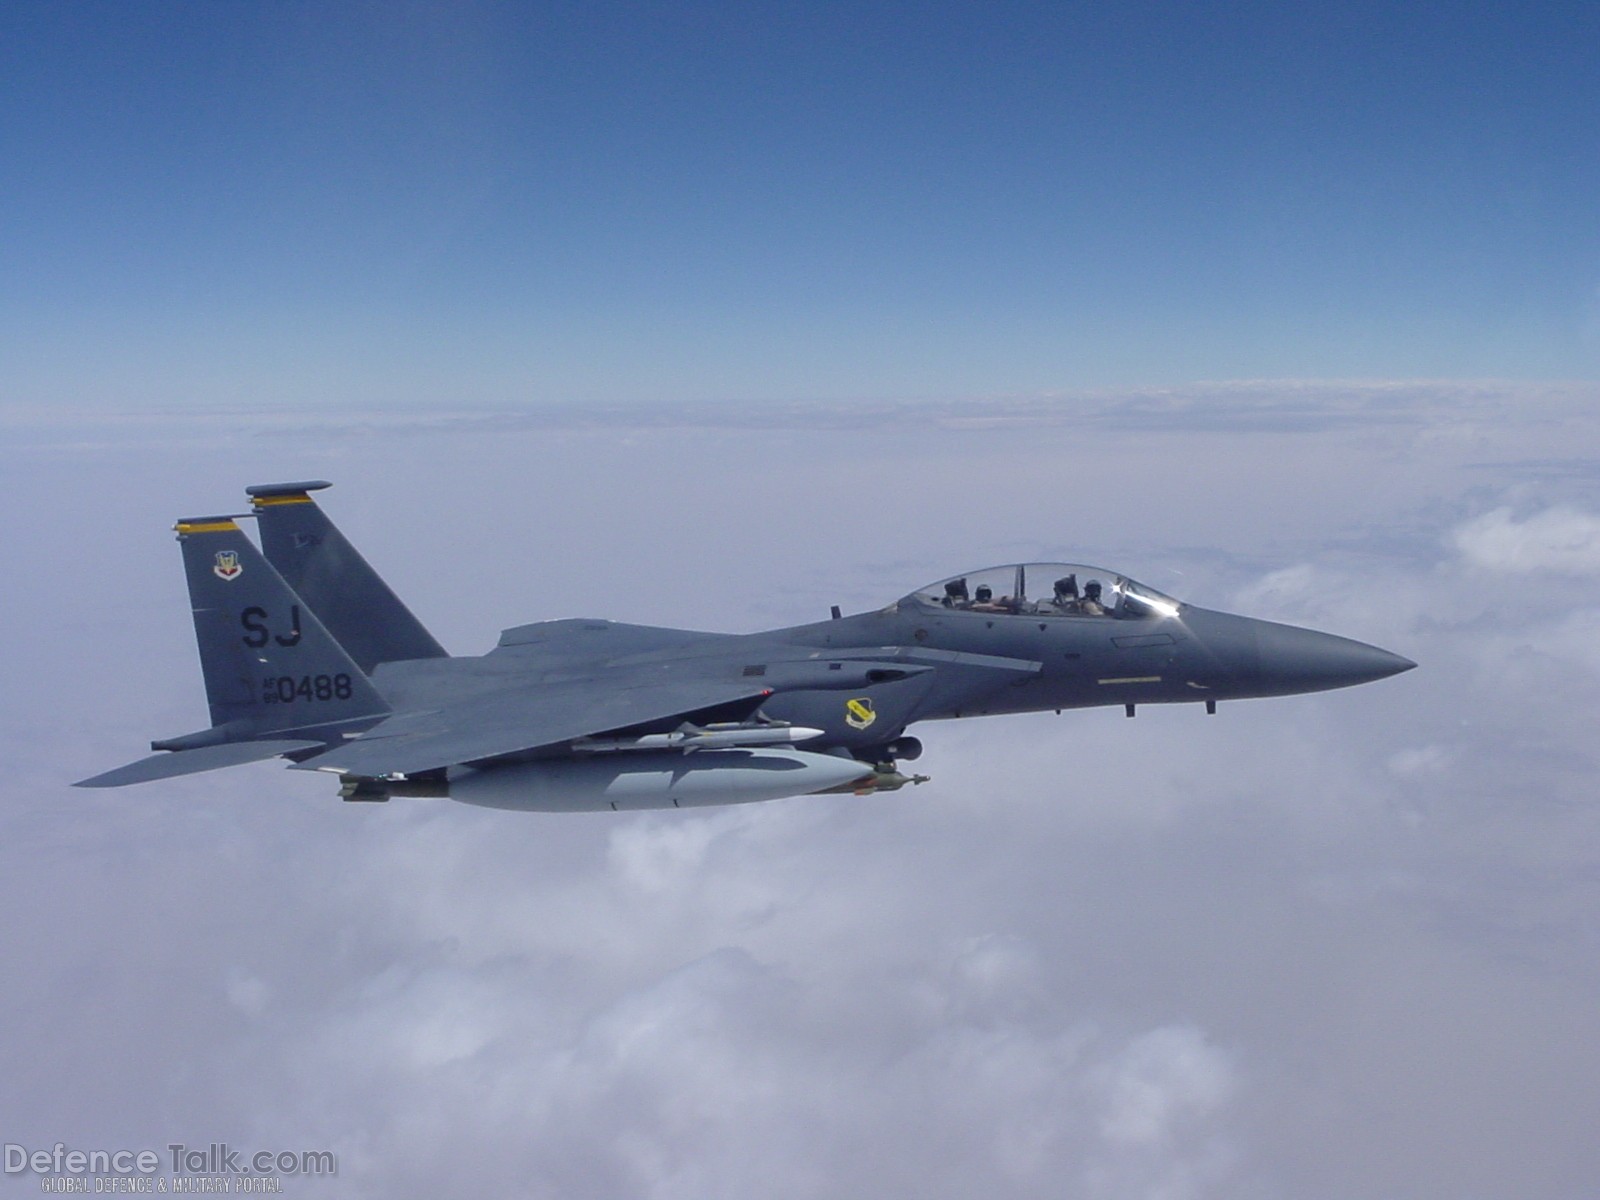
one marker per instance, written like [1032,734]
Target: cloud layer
[1320,947]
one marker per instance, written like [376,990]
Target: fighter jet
[308,655]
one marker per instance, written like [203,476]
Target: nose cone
[1240,656]
[1303,660]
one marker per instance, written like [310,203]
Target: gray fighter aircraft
[308,655]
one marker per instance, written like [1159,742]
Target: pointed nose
[1241,656]
[1304,660]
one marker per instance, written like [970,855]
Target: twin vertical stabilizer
[286,661]
[329,574]
[269,662]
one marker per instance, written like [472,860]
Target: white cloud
[1563,539]
[1160,1098]
[1178,957]
[1162,1079]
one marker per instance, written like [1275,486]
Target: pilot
[1090,605]
[983,601]
[1065,599]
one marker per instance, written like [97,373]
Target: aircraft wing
[533,715]
[595,640]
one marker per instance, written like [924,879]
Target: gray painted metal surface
[307,654]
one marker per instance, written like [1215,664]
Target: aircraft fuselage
[306,654]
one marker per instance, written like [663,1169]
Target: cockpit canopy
[1045,590]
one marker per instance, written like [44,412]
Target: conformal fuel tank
[667,779]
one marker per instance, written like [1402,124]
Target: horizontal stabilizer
[170,764]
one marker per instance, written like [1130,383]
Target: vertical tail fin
[320,564]
[269,663]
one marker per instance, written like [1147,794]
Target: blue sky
[509,204]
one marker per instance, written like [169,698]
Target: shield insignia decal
[227,566]
[859,713]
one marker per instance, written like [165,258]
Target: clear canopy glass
[1046,590]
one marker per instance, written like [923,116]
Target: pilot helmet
[984,593]
[1092,589]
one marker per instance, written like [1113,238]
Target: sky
[510,204]
[661,314]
